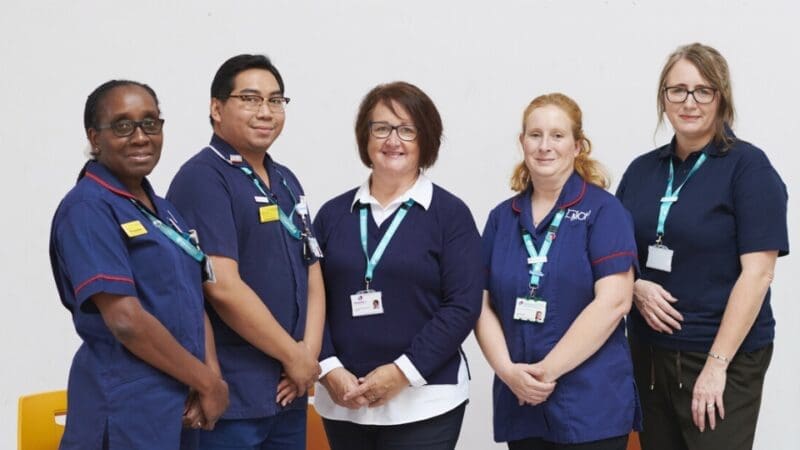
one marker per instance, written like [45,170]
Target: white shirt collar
[421,192]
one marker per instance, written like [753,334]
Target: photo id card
[659,257]
[366,303]
[530,309]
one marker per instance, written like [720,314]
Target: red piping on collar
[111,188]
[102,277]
[573,202]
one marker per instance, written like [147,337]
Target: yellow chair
[37,428]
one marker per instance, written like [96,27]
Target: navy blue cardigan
[430,276]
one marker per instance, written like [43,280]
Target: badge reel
[366,303]
[659,257]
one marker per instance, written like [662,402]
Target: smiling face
[694,123]
[249,132]
[391,156]
[133,157]
[548,145]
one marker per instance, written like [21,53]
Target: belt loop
[652,370]
[678,364]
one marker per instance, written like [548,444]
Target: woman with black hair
[130,274]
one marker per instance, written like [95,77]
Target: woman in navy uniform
[402,278]
[130,275]
[710,218]
[561,259]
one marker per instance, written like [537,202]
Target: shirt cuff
[411,372]
[328,364]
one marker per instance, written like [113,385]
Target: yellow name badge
[133,229]
[268,213]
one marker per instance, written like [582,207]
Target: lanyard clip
[532,293]
[366,283]
[658,238]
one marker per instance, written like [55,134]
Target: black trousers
[437,433]
[617,443]
[665,379]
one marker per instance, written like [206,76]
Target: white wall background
[481,62]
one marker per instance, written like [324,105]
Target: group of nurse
[235,294]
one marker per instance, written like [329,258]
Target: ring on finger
[710,406]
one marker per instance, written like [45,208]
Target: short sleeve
[487,243]
[612,248]
[759,199]
[201,195]
[92,252]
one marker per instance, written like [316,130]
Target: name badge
[261,199]
[366,303]
[530,309]
[134,228]
[659,257]
[268,213]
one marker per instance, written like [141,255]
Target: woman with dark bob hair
[710,217]
[130,275]
[402,279]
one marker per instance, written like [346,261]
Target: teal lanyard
[373,260]
[286,220]
[537,259]
[671,196]
[182,240]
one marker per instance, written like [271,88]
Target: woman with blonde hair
[702,330]
[560,258]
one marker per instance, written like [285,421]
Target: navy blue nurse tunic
[596,400]
[219,201]
[116,400]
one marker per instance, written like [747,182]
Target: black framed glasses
[126,127]
[701,94]
[382,130]
[253,102]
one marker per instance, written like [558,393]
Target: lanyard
[671,196]
[286,220]
[373,261]
[184,241]
[537,259]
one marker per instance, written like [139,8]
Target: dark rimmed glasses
[126,127]
[382,130]
[701,94]
[253,102]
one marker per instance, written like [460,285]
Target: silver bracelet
[719,357]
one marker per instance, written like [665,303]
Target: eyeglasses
[126,127]
[253,102]
[382,130]
[679,94]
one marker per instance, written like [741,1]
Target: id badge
[659,257]
[530,309]
[366,303]
[208,271]
[314,246]
[268,213]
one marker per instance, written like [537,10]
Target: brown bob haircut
[419,106]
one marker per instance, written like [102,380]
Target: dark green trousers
[665,379]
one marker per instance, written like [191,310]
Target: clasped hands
[529,382]
[374,389]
